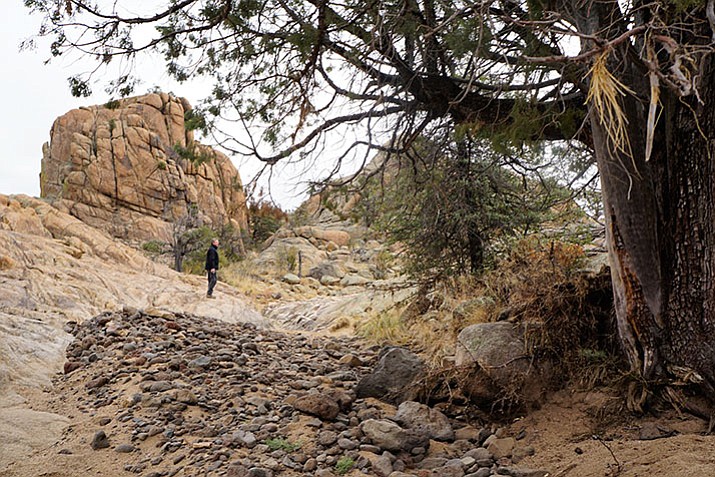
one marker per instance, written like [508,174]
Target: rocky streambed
[162,394]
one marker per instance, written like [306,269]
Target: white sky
[35,94]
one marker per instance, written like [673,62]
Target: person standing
[212,266]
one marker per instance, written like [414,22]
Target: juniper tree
[633,80]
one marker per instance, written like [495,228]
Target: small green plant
[112,104]
[279,443]
[161,165]
[194,119]
[344,465]
[192,153]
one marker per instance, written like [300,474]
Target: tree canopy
[302,68]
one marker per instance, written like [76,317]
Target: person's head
[214,242]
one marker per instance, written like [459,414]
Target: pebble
[212,398]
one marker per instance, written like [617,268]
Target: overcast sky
[35,94]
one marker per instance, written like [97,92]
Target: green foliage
[154,246]
[161,165]
[79,87]
[199,240]
[279,443]
[112,104]
[343,465]
[193,153]
[195,119]
[232,243]
[448,208]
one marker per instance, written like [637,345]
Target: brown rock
[132,169]
[71,366]
[97,382]
[318,405]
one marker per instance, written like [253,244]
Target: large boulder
[132,168]
[393,377]
[500,351]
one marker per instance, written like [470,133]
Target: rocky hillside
[132,167]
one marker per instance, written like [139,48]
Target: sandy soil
[573,437]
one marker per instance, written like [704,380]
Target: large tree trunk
[661,235]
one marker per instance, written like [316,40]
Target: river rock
[413,415]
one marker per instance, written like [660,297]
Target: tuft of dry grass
[383,328]
[6,262]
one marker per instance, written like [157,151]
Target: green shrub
[279,443]
[154,246]
[344,465]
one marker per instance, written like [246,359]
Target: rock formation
[131,167]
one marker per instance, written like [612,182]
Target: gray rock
[382,466]
[124,448]
[245,438]
[200,362]
[419,417]
[100,440]
[291,279]
[328,280]
[326,269]
[354,280]
[396,370]
[483,472]
[389,436]
[499,350]
[260,472]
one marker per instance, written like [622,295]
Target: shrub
[265,219]
[279,443]
[287,258]
[154,247]
[343,465]
[6,262]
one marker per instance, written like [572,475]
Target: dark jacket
[212,258]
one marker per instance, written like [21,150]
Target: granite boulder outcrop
[132,168]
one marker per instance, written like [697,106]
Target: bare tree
[633,80]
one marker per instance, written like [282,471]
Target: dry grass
[538,282]
[383,328]
[6,262]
